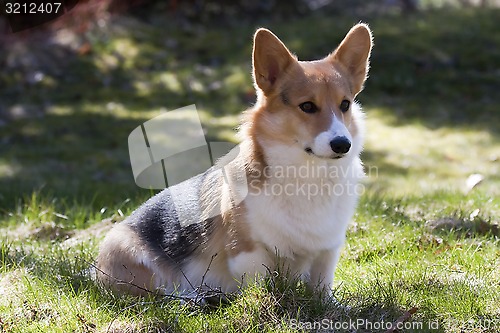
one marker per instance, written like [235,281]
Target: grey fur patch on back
[172,224]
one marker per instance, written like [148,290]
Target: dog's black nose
[340,145]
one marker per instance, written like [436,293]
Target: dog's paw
[329,298]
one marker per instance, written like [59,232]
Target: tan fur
[271,58]
[230,229]
[238,231]
[353,54]
[118,266]
[344,71]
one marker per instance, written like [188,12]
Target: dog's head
[309,105]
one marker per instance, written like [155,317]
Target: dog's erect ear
[271,58]
[354,54]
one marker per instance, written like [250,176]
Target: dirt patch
[467,227]
[97,230]
[52,231]
[119,326]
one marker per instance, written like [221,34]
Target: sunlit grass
[413,158]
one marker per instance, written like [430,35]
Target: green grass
[419,238]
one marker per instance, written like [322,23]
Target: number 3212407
[32,8]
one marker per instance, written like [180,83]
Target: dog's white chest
[303,220]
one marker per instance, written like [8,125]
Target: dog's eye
[308,107]
[344,106]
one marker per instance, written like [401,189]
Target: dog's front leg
[323,270]
[249,266]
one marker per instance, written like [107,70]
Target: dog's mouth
[309,151]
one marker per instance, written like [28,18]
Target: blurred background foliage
[73,89]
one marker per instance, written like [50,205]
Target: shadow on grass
[465,227]
[439,68]
[388,294]
[268,305]
[271,305]
[79,157]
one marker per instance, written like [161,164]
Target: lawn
[424,244]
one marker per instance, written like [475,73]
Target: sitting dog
[299,157]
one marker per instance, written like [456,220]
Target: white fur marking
[321,145]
